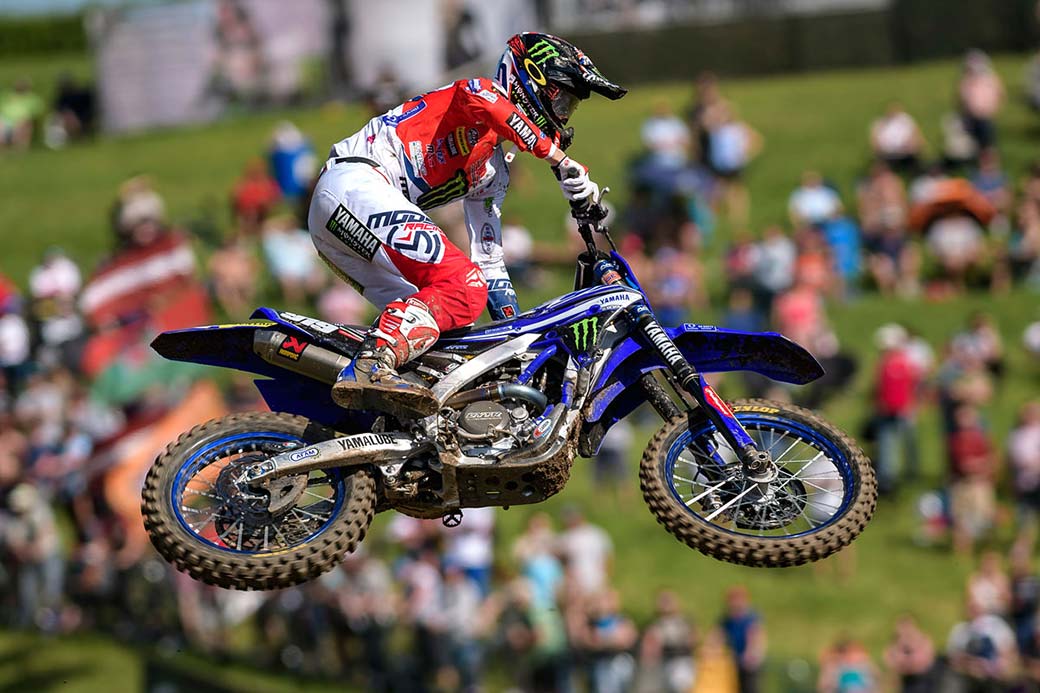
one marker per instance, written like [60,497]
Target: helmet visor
[564,104]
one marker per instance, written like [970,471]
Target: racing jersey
[443,146]
[439,146]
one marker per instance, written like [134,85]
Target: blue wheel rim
[219,449]
[755,424]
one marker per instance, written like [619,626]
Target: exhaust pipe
[299,355]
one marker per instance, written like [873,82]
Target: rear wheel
[207,524]
[822,499]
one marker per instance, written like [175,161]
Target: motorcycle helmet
[546,77]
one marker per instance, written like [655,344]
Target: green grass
[812,121]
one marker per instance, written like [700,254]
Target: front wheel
[207,524]
[822,498]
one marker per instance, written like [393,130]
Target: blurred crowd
[25,116]
[431,607]
[995,648]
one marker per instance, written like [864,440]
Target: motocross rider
[368,214]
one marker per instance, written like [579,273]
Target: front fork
[758,465]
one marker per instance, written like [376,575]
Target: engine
[485,419]
[491,428]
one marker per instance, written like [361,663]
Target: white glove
[575,181]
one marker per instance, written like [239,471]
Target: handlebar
[588,214]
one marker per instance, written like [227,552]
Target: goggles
[563,104]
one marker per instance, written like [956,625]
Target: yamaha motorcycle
[268,500]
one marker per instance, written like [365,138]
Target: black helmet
[545,78]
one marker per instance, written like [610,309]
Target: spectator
[459,626]
[973,470]
[1032,83]
[54,285]
[957,244]
[1023,455]
[292,161]
[422,584]
[666,138]
[980,95]
[139,212]
[844,244]
[982,340]
[606,637]
[732,144]
[799,314]
[742,261]
[1025,597]
[814,202]
[962,379]
[920,352]
[775,260]
[666,652]
[31,537]
[234,270]
[534,638]
[716,670]
[911,657]
[292,260]
[990,180]
[707,99]
[15,345]
[892,259]
[73,112]
[741,313]
[55,278]
[896,139]
[587,552]
[1022,256]
[746,638]
[470,546]
[982,651]
[20,108]
[341,304]
[897,388]
[253,198]
[814,266]
[534,550]
[988,587]
[846,668]
[1031,339]
[367,601]
[675,286]
[959,147]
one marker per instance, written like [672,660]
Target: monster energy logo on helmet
[585,333]
[542,51]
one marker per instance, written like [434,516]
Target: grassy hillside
[813,121]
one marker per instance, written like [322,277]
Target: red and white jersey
[439,146]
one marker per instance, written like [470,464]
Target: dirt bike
[268,500]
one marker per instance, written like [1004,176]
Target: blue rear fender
[231,346]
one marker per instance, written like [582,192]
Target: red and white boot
[405,329]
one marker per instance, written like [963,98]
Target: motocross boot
[404,330]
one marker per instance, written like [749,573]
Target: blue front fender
[709,350]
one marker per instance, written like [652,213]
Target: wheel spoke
[216,512]
[805,496]
[708,492]
[718,511]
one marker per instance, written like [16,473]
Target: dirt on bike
[268,500]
